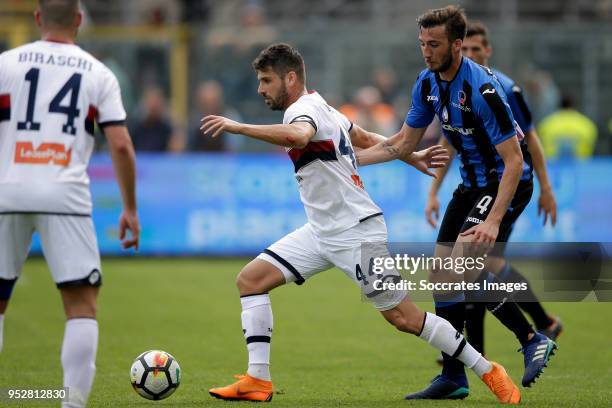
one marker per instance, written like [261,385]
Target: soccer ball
[155,375]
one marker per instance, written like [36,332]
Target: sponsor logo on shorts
[45,153]
[474,220]
[94,277]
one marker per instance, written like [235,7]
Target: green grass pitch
[328,348]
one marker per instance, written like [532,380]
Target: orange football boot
[500,383]
[247,388]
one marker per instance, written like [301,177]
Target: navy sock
[454,313]
[528,300]
[474,324]
[501,305]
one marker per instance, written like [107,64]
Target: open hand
[431,158]
[217,125]
[485,234]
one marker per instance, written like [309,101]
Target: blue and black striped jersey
[474,115]
[515,98]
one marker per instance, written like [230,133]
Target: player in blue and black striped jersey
[496,181]
[477,48]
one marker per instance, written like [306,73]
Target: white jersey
[326,169]
[50,96]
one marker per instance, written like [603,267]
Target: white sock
[442,335]
[79,360]
[1,331]
[257,325]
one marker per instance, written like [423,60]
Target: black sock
[528,300]
[455,314]
[500,304]
[474,324]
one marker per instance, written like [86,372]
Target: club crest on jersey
[45,153]
[462,97]
[444,114]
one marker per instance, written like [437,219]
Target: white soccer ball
[155,375]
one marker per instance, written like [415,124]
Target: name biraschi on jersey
[55,59]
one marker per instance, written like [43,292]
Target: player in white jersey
[345,228]
[51,95]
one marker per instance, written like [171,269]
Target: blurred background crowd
[179,60]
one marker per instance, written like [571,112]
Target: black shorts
[470,207]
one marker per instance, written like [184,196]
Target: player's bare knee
[243,283]
[80,301]
[406,324]
[248,283]
[405,319]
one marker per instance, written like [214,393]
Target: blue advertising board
[227,204]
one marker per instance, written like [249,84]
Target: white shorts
[303,254]
[69,245]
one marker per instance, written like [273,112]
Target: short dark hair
[282,58]
[451,17]
[58,13]
[478,28]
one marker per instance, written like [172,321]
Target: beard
[446,63]
[281,100]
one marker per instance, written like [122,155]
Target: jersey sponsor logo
[488,91]
[463,108]
[463,131]
[432,98]
[462,97]
[45,153]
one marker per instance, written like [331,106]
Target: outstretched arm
[296,134]
[423,160]
[399,146]
[363,139]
